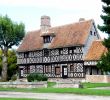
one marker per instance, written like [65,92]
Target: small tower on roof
[45,23]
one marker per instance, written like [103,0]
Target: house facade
[59,52]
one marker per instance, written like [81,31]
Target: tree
[104,62]
[106,17]
[12,63]
[11,34]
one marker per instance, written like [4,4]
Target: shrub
[30,77]
[39,78]
[44,78]
[36,77]
[14,77]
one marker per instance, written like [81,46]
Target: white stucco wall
[90,39]
[46,45]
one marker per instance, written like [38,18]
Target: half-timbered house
[58,52]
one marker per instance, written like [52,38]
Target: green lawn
[50,89]
[17,99]
[61,90]
[51,84]
[93,85]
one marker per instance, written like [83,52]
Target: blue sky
[60,11]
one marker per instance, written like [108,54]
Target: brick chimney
[81,19]
[45,23]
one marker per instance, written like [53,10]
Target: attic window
[47,39]
[94,33]
[90,32]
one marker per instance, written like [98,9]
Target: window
[47,39]
[90,69]
[57,70]
[47,69]
[90,32]
[71,68]
[61,51]
[94,33]
[70,50]
[26,54]
[46,52]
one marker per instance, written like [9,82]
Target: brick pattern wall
[98,78]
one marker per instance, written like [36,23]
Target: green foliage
[51,84]
[36,77]
[14,77]
[11,33]
[44,78]
[106,43]
[12,63]
[30,77]
[106,17]
[18,98]
[104,63]
[106,2]
[0,61]
[83,91]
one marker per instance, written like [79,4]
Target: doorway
[64,71]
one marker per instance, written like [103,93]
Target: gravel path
[52,96]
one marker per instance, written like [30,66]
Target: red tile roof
[96,50]
[66,35]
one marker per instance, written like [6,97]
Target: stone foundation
[88,78]
[67,83]
[24,84]
[67,80]
[60,82]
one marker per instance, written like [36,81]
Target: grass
[50,89]
[17,99]
[51,84]
[61,90]
[94,85]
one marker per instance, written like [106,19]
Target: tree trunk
[4,64]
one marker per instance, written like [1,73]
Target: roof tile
[66,35]
[96,50]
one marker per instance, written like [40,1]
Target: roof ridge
[71,23]
[62,25]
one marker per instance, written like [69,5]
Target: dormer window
[47,39]
[90,32]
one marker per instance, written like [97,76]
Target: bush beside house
[36,77]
